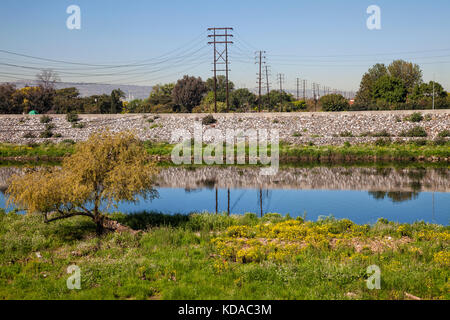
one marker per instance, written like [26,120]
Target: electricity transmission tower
[315,95]
[259,57]
[298,88]
[304,90]
[220,37]
[280,78]
[267,85]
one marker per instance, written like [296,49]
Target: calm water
[360,194]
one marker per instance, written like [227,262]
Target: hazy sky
[322,41]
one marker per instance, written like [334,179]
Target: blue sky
[322,41]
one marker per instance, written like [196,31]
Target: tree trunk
[113,225]
[99,224]
[105,224]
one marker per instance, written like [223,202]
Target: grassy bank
[218,257]
[381,151]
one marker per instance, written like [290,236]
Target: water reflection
[360,194]
[394,196]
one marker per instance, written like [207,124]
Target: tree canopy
[334,102]
[188,92]
[397,86]
[389,89]
[105,169]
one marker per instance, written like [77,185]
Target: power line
[98,65]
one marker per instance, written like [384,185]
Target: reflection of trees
[417,174]
[378,195]
[383,172]
[208,183]
[395,196]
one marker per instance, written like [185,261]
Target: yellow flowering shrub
[241,232]
[250,254]
[442,257]
[285,240]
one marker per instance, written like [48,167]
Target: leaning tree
[105,169]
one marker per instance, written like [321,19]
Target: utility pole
[222,56]
[314,96]
[280,77]
[304,90]
[260,62]
[268,86]
[433,90]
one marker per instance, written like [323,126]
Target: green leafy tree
[389,90]
[364,95]
[299,105]
[425,90]
[410,73]
[334,102]
[188,92]
[67,100]
[7,103]
[162,95]
[221,88]
[242,100]
[138,106]
[105,169]
[276,99]
[97,104]
[35,98]
[116,103]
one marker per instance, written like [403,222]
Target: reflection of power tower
[220,57]
[260,57]
[264,196]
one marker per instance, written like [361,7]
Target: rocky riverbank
[334,128]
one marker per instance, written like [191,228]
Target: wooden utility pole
[220,55]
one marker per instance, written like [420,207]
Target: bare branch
[68,216]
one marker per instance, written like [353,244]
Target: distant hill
[89,89]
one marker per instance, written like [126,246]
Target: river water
[360,194]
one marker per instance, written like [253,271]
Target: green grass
[176,257]
[36,150]
[369,152]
